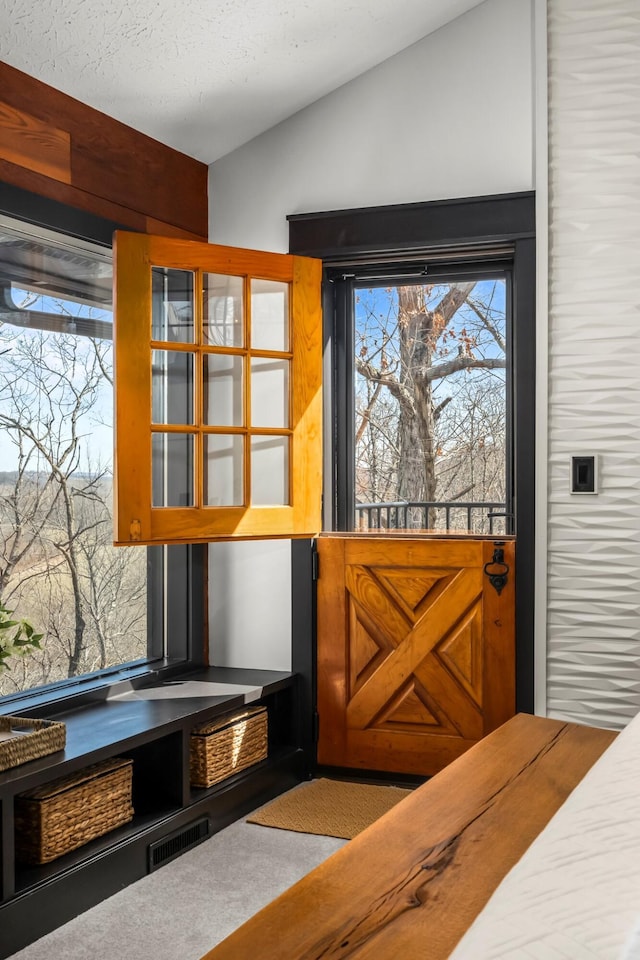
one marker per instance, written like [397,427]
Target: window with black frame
[425,398]
[91,607]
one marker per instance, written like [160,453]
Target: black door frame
[472,228]
[340,290]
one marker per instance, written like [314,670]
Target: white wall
[594,359]
[451,116]
[250,604]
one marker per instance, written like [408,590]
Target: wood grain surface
[411,884]
[416,650]
[135,519]
[41,147]
[60,148]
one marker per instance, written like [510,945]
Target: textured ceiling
[205,76]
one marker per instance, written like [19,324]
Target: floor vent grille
[176,843]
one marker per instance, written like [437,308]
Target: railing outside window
[446,517]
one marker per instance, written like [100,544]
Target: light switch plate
[583,478]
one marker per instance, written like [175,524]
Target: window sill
[76,692]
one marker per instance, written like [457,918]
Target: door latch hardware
[497,570]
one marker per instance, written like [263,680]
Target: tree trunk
[416,469]
[70,554]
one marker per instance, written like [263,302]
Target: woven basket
[67,813]
[30,739]
[228,745]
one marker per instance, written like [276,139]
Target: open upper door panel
[218,367]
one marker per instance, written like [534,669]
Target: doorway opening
[426,403]
[434,250]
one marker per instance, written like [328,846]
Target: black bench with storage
[151,729]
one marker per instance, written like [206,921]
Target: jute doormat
[332,808]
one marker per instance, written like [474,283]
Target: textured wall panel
[594,358]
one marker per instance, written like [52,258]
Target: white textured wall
[594,358]
[448,117]
[451,116]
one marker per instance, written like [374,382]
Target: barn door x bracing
[415,649]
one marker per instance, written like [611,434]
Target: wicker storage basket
[67,813]
[28,739]
[227,745]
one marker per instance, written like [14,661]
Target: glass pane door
[218,392]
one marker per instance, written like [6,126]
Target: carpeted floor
[188,906]
[333,808]
[182,910]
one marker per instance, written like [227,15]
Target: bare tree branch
[386,379]
[486,322]
[439,410]
[366,414]
[441,370]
